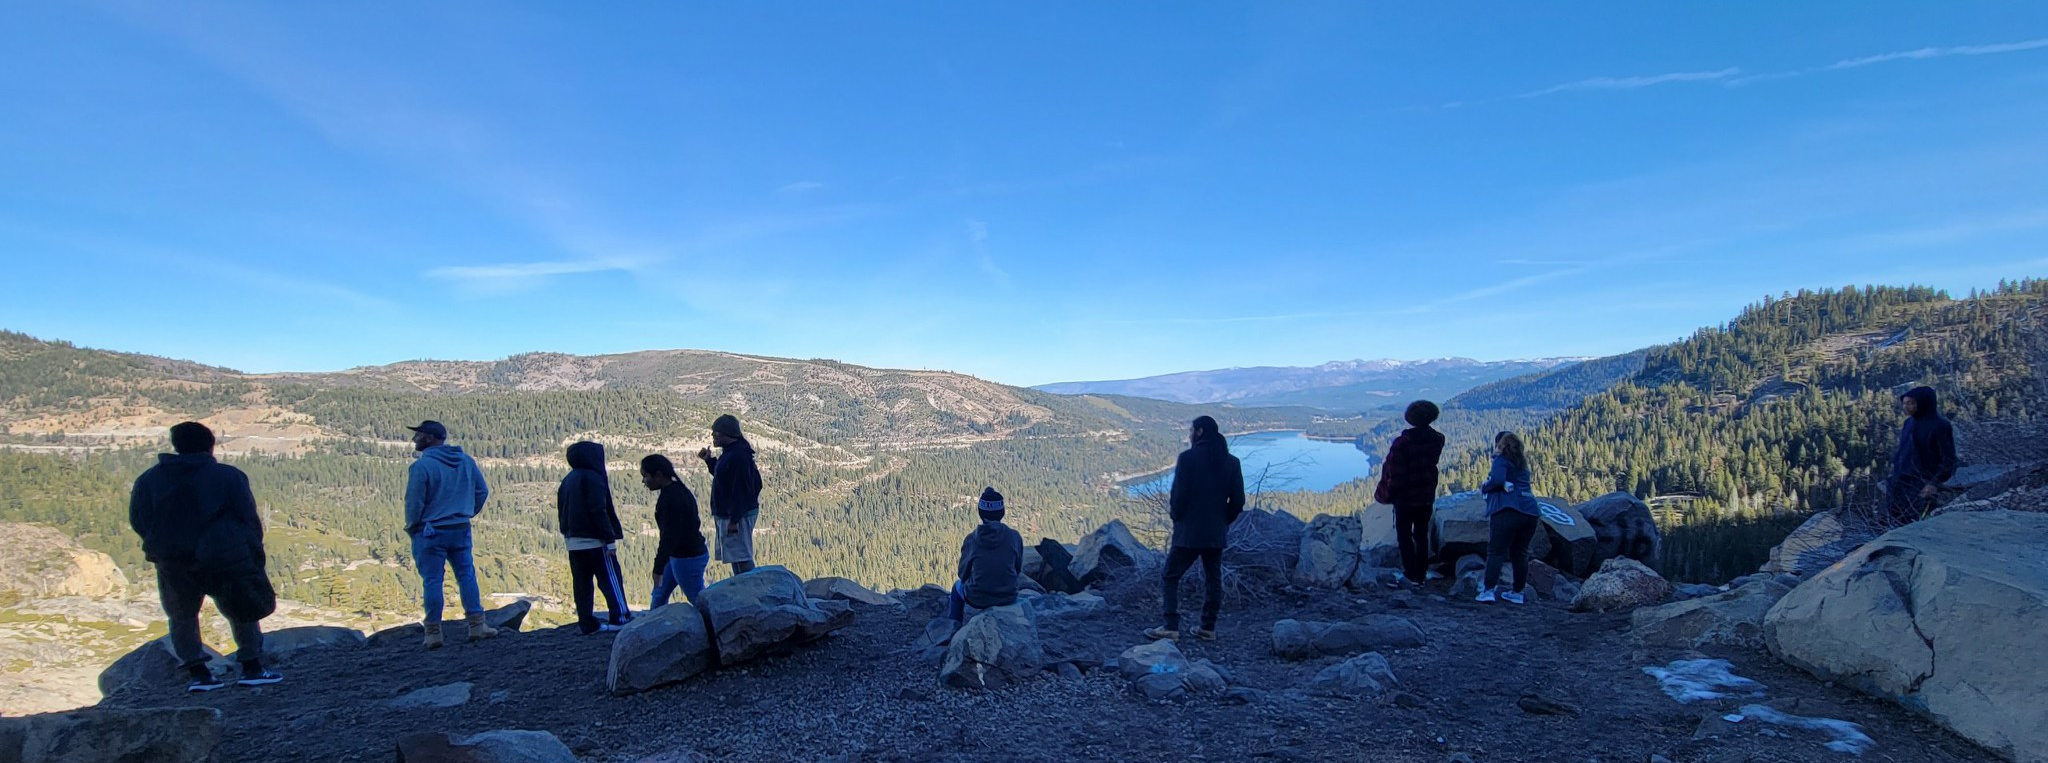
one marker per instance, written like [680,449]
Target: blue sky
[1029,192]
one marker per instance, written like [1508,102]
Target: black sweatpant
[1411,531]
[182,591]
[598,567]
[1509,540]
[1178,561]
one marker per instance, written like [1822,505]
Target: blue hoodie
[443,489]
[1507,487]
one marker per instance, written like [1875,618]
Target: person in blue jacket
[1512,514]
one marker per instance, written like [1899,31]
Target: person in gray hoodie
[444,490]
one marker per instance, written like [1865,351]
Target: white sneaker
[1512,597]
[1484,596]
[1433,575]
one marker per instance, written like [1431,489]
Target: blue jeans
[687,574]
[450,546]
[956,605]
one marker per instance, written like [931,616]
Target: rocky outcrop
[764,611]
[1329,552]
[38,562]
[1365,676]
[93,735]
[1378,545]
[1730,618]
[1459,527]
[843,589]
[488,747]
[1568,539]
[1053,567]
[152,664]
[661,647]
[1623,527]
[1822,540]
[1301,640]
[1264,542]
[281,647]
[506,618]
[1620,584]
[1943,616]
[995,648]
[1109,552]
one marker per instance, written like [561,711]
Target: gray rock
[843,589]
[765,611]
[1568,540]
[661,647]
[1329,552]
[1147,659]
[1367,675]
[995,648]
[1621,583]
[1109,552]
[1161,686]
[151,665]
[1053,571]
[1299,640]
[1624,527]
[507,618]
[1730,618]
[282,646]
[1054,605]
[931,644]
[1205,678]
[1377,578]
[445,695]
[1820,541]
[92,735]
[1693,590]
[1265,542]
[508,746]
[1068,671]
[1378,544]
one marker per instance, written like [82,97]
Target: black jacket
[197,513]
[1208,494]
[584,501]
[991,558]
[675,512]
[1408,476]
[735,482]
[1927,442]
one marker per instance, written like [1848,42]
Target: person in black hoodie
[591,525]
[1408,483]
[680,560]
[198,524]
[991,558]
[735,492]
[1924,460]
[1207,496]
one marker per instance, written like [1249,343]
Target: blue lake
[1295,461]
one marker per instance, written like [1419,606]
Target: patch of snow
[1848,737]
[1691,681]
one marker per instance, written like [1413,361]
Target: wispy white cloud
[1633,83]
[500,278]
[977,237]
[801,187]
[1921,54]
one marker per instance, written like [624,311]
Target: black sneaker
[261,678]
[209,682]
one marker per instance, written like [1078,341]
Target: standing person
[681,557]
[198,524]
[590,525]
[444,491]
[1408,483]
[1207,495]
[735,492]
[991,558]
[1511,511]
[1925,458]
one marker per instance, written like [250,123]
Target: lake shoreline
[1130,482]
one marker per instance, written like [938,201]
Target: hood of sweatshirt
[185,463]
[445,455]
[1213,441]
[738,446]
[1924,398]
[587,455]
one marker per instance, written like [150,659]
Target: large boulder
[1459,526]
[1820,541]
[281,647]
[152,664]
[1569,539]
[1264,542]
[1548,583]
[995,648]
[1622,583]
[1730,618]
[1159,671]
[843,589]
[661,647]
[1623,526]
[1329,552]
[507,618]
[1943,616]
[1160,656]
[94,735]
[1301,640]
[509,746]
[1109,552]
[1367,675]
[1054,567]
[1378,544]
[764,611]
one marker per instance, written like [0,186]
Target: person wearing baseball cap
[991,558]
[735,493]
[444,490]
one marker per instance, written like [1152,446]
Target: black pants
[182,591]
[1903,504]
[1411,531]
[598,567]
[1509,541]
[1178,561]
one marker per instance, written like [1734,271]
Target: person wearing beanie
[991,559]
[1408,483]
[735,493]
[197,520]
[1207,496]
[1924,460]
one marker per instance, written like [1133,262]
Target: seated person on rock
[991,558]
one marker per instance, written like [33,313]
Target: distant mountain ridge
[1338,385]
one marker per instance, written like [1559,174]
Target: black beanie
[727,425]
[991,506]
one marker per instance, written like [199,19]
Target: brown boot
[478,628]
[433,635]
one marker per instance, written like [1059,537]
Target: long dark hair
[1511,449]
[659,464]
